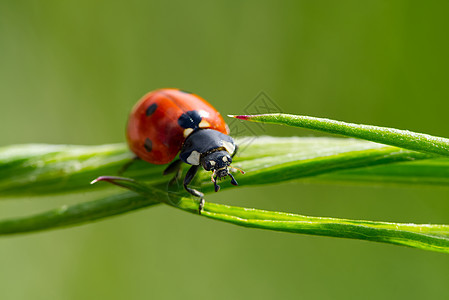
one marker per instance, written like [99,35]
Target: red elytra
[153,131]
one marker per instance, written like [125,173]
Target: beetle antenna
[212,177]
[241,171]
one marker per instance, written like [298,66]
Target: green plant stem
[284,168]
[27,170]
[70,215]
[389,136]
[422,236]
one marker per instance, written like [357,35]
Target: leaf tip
[111,179]
[240,117]
[95,180]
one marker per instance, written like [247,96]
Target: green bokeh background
[71,70]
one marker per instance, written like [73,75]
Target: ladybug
[166,122]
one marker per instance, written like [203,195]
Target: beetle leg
[233,169]
[200,207]
[216,186]
[235,151]
[189,177]
[127,165]
[174,167]
[233,181]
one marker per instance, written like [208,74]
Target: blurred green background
[70,71]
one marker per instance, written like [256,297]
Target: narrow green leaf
[39,169]
[422,236]
[385,135]
[416,173]
[70,215]
[27,170]
[294,166]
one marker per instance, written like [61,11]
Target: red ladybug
[166,122]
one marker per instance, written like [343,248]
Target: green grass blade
[27,170]
[422,236]
[39,169]
[389,136]
[70,215]
[431,172]
[294,166]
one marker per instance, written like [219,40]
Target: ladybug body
[162,119]
[166,122]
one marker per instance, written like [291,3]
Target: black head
[218,162]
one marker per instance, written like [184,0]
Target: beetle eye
[211,163]
[208,164]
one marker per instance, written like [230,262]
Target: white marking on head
[230,147]
[225,158]
[204,124]
[187,132]
[194,158]
[212,163]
